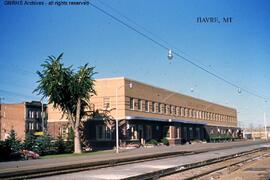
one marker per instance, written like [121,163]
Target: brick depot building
[146,112]
[22,117]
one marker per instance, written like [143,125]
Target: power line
[129,26]
[175,52]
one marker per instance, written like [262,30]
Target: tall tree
[68,90]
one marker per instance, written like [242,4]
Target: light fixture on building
[239,90]
[170,54]
[130,85]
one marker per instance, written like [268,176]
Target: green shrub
[153,141]
[165,141]
[12,141]
[42,145]
[60,145]
[5,151]
[29,142]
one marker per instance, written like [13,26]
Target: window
[190,112]
[133,132]
[159,107]
[139,104]
[190,132]
[108,134]
[29,114]
[177,111]
[198,133]
[167,132]
[131,103]
[166,109]
[178,132]
[185,133]
[174,110]
[153,107]
[103,133]
[31,126]
[193,113]
[186,112]
[147,106]
[148,132]
[170,109]
[182,111]
[106,102]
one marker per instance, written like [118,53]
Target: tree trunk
[77,137]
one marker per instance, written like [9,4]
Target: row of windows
[34,114]
[33,126]
[167,109]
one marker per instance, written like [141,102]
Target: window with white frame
[159,108]
[165,109]
[29,113]
[177,111]
[182,112]
[147,106]
[153,107]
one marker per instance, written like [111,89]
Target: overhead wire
[173,51]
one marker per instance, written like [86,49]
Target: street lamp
[116,115]
[170,54]
[265,127]
[1,117]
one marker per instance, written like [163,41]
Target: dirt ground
[259,169]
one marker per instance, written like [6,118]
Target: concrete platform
[16,168]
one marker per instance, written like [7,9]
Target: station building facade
[146,112]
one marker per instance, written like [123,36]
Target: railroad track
[52,171]
[214,170]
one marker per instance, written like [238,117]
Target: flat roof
[170,91]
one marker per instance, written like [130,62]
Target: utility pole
[265,127]
[1,117]
[42,117]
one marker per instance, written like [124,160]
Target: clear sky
[238,51]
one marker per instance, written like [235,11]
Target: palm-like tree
[68,90]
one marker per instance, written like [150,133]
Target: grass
[74,155]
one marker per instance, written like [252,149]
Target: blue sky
[238,51]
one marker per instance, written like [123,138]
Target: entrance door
[141,134]
[148,132]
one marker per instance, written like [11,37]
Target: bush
[10,148]
[29,142]
[12,142]
[60,145]
[5,151]
[42,145]
[153,141]
[165,141]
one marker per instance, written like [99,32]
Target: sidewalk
[110,157]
